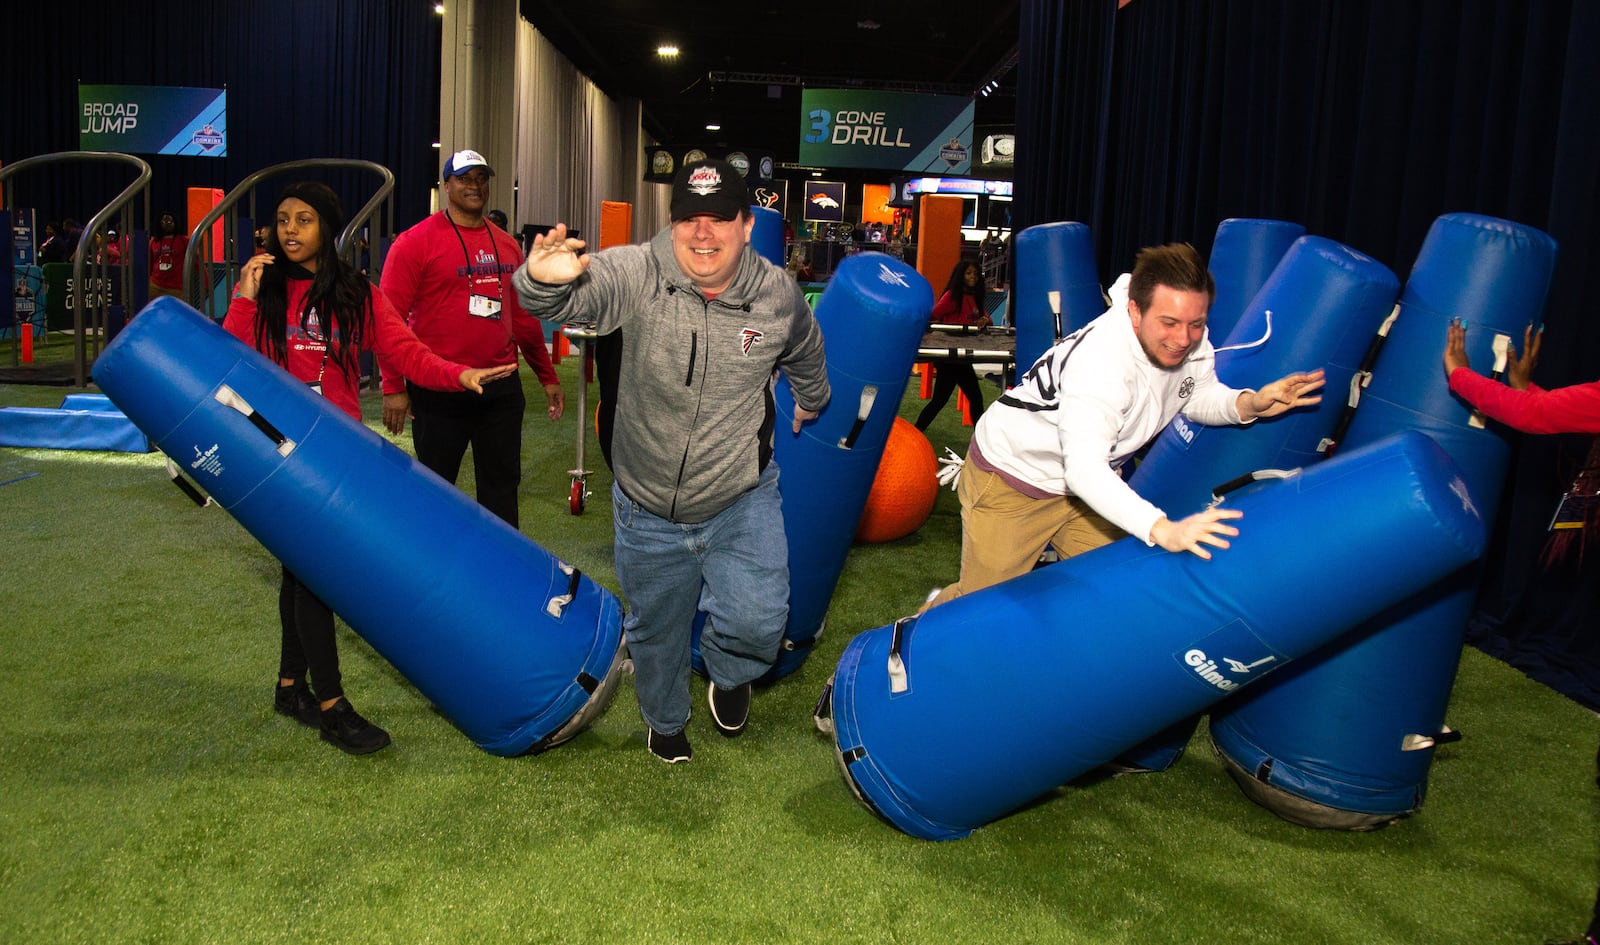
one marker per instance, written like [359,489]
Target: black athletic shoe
[670,748]
[297,702]
[346,730]
[730,708]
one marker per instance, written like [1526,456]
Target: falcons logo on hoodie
[748,337]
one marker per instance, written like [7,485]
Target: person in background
[167,249]
[705,322]
[52,249]
[311,313]
[450,277]
[1043,468]
[1523,405]
[961,304]
[498,218]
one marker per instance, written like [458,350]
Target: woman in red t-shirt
[312,313]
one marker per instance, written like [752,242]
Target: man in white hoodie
[1044,465]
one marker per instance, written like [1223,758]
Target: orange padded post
[926,370]
[200,202]
[938,238]
[616,223]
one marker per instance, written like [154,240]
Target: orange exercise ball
[905,487]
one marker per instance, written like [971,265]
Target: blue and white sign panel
[899,131]
[153,119]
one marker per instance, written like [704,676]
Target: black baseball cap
[714,187]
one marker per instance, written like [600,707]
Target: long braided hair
[340,296]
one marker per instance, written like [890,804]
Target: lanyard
[498,286]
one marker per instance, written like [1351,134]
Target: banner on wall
[900,131]
[995,154]
[661,161]
[153,119]
[772,194]
[824,201]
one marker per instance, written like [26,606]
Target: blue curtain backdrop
[305,79]
[1364,120]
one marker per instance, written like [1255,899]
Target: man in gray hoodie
[706,322]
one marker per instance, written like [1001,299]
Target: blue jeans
[742,559]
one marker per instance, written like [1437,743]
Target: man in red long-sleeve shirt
[450,276]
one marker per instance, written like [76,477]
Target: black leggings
[445,424]
[308,641]
[946,378]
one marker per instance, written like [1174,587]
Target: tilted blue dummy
[1020,687]
[514,647]
[872,314]
[1352,732]
[1052,257]
[1319,308]
[1244,254]
[766,236]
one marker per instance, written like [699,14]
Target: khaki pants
[1003,532]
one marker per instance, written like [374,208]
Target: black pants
[946,378]
[308,641]
[491,423]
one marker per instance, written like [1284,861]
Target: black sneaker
[346,730]
[730,708]
[670,748]
[297,702]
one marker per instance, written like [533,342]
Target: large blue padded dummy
[1001,695]
[872,316]
[1319,308]
[1244,254]
[1346,740]
[1052,258]
[766,236]
[517,649]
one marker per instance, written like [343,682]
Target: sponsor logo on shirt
[748,337]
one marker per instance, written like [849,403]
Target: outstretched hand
[1519,371]
[1519,368]
[1283,394]
[1191,534]
[1455,348]
[554,259]
[473,379]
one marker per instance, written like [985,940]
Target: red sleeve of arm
[1574,409]
[399,286]
[240,322]
[944,310]
[394,343]
[529,335]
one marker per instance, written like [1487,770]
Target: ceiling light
[667,51]
[713,126]
[438,8]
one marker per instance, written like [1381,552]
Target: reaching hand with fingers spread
[1191,534]
[1282,395]
[1519,370]
[554,258]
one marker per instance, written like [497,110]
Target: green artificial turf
[149,794]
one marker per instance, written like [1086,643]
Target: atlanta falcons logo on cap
[748,337]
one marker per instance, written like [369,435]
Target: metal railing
[89,307]
[378,212]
